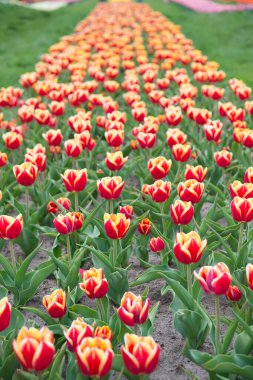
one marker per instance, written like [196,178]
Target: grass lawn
[25,34]
[224,37]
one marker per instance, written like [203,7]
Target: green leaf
[27,240]
[20,275]
[57,366]
[84,311]
[44,316]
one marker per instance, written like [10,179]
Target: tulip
[75,180]
[10,228]
[94,357]
[213,130]
[173,115]
[181,152]
[195,172]
[115,161]
[248,176]
[3,159]
[116,225]
[144,227]
[214,280]
[156,244]
[242,209]
[127,211]
[53,137]
[160,191]
[12,140]
[94,284]
[190,190]
[242,190]
[181,212]
[37,159]
[34,348]
[5,313]
[233,293]
[249,275]
[73,148]
[188,248]
[25,173]
[140,354]
[53,208]
[55,303]
[110,187]
[159,167]
[114,137]
[25,113]
[146,140]
[42,116]
[175,136]
[77,332]
[103,332]
[133,310]
[66,224]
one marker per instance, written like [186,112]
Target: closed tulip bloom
[12,140]
[10,228]
[235,114]
[127,210]
[213,130]
[84,138]
[195,172]
[66,224]
[190,190]
[188,248]
[103,332]
[38,159]
[73,148]
[53,137]
[173,115]
[247,138]
[25,113]
[181,152]
[5,313]
[94,357]
[181,212]
[53,208]
[242,209]
[42,116]
[144,227]
[3,159]
[156,244]
[249,275]
[140,354]
[223,158]
[94,284]
[233,293]
[214,280]
[110,187]
[242,190]
[114,138]
[175,136]
[133,310]
[146,140]
[25,173]
[78,330]
[116,225]
[34,348]
[115,161]
[160,191]
[55,303]
[159,167]
[75,180]
[248,176]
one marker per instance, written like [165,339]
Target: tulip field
[126,198]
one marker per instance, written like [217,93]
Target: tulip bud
[190,190]
[159,167]
[233,293]
[75,180]
[188,248]
[94,284]
[140,354]
[110,187]
[55,303]
[103,332]
[5,313]
[144,227]
[116,225]
[77,332]
[94,357]
[214,280]
[10,228]
[242,209]
[156,244]
[34,348]
[133,310]
[181,212]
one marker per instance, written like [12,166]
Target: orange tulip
[103,332]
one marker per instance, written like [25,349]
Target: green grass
[25,34]
[225,37]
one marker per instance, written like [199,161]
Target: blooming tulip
[188,248]
[55,303]
[73,148]
[115,161]
[181,212]
[66,224]
[195,172]
[160,191]
[156,244]
[181,152]
[249,275]
[116,225]
[190,190]
[103,332]
[127,211]
[25,173]
[248,176]
[144,227]
[77,332]
[223,158]
[12,140]
[110,187]
[214,280]
[133,310]
[159,167]
[242,190]
[10,228]
[233,293]
[94,284]
[75,180]
[53,208]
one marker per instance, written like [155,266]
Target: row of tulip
[105,94]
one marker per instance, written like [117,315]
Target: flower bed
[125,149]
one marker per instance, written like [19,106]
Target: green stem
[181,228]
[217,327]
[240,238]
[76,201]
[189,278]
[136,329]
[13,258]
[178,172]
[68,248]
[162,212]
[101,310]
[111,206]
[114,257]
[27,201]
